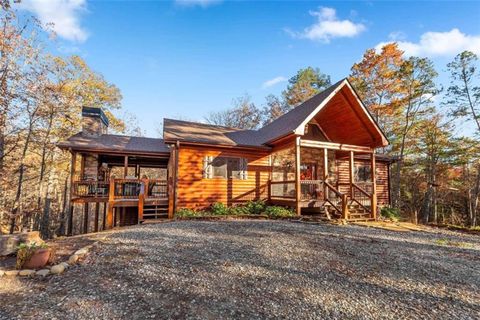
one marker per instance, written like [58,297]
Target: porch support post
[85,217]
[125,167]
[97,211]
[374,186]
[104,215]
[72,177]
[325,173]
[109,222]
[297,176]
[141,198]
[351,167]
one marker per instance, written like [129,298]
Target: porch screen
[225,167]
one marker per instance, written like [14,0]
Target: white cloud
[328,27]
[447,43]
[274,81]
[63,14]
[200,3]
[397,35]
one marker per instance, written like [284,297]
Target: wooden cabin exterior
[320,156]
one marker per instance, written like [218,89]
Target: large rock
[11,273]
[9,243]
[57,269]
[43,272]
[73,259]
[26,273]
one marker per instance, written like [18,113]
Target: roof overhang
[378,137]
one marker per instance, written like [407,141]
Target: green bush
[219,209]
[278,212]
[184,212]
[238,210]
[255,207]
[390,213]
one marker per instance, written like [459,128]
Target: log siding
[197,192]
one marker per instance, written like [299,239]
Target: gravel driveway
[260,269]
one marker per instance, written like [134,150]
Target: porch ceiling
[345,121]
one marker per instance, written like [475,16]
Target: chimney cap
[95,112]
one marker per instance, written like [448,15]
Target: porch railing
[311,190]
[282,189]
[361,197]
[336,199]
[90,188]
[156,188]
[120,188]
[127,188]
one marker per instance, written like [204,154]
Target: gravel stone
[26,273]
[259,270]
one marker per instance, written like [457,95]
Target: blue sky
[184,59]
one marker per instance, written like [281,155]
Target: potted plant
[32,256]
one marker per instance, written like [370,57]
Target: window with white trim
[225,167]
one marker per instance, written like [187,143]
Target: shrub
[184,212]
[278,212]
[390,213]
[255,207]
[219,209]
[238,210]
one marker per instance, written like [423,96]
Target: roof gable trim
[300,130]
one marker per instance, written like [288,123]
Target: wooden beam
[335,146]
[109,223]
[105,204]
[374,186]
[82,166]
[141,199]
[351,173]
[170,181]
[85,217]
[97,211]
[297,176]
[175,178]
[325,173]
[125,167]
[73,165]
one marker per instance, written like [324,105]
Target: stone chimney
[94,122]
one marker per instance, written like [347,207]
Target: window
[363,173]
[225,167]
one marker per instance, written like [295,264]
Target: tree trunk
[43,161]
[63,214]
[21,171]
[44,225]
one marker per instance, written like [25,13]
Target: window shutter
[243,168]
[207,167]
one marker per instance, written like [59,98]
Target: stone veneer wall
[90,166]
[93,126]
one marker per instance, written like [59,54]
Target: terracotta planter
[38,260]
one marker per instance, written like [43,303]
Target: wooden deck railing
[118,189]
[311,190]
[361,197]
[90,189]
[282,189]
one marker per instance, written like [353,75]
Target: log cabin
[319,157]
